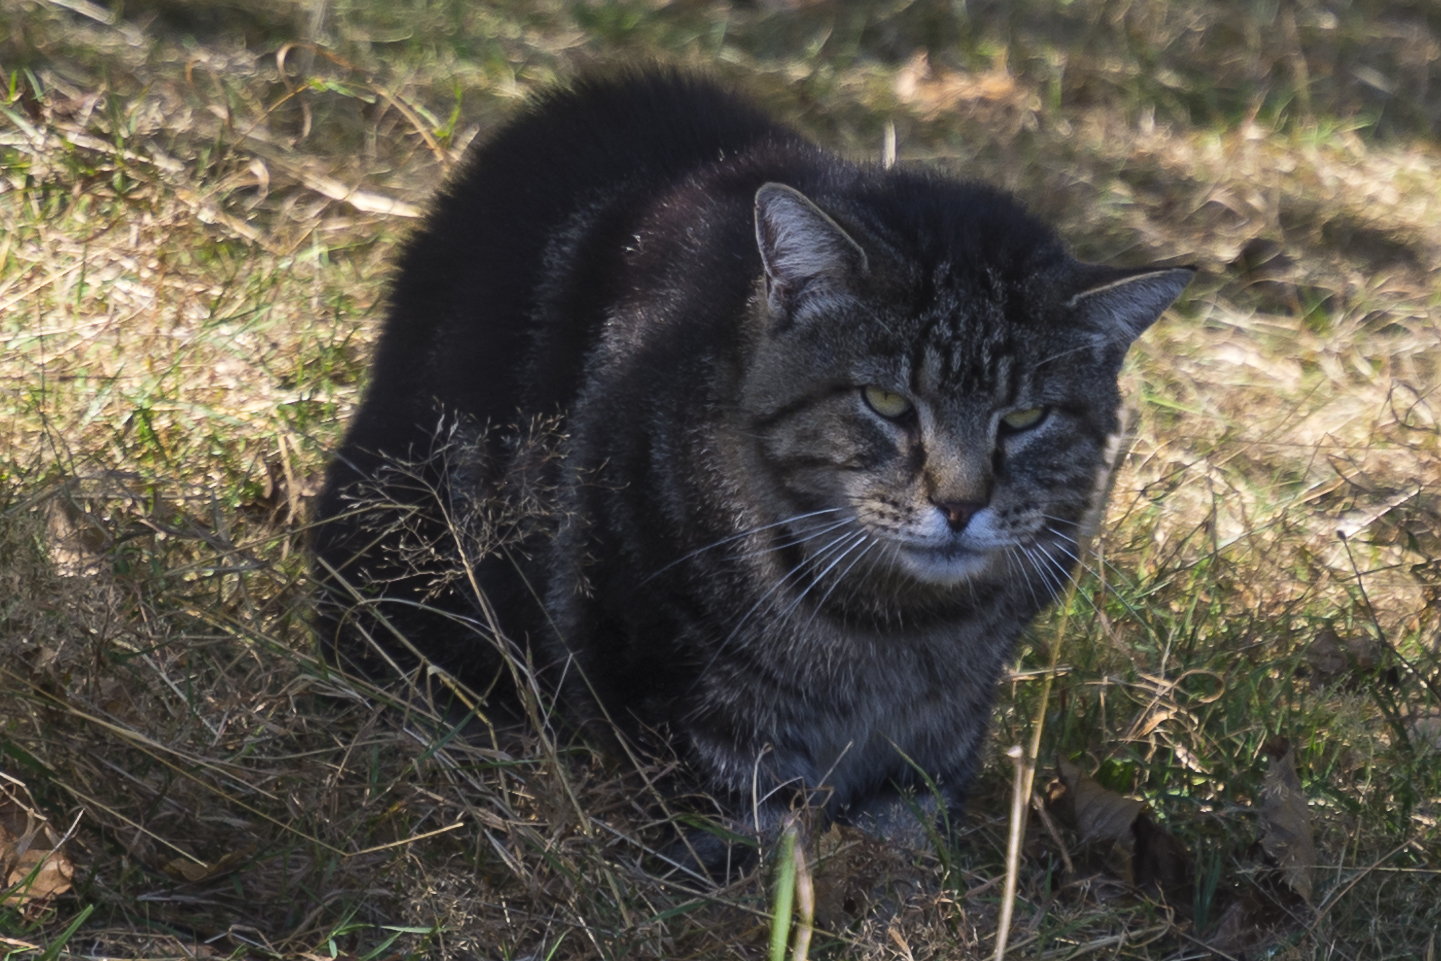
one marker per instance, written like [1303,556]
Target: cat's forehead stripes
[963,350]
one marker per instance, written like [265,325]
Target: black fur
[610,257]
[461,337]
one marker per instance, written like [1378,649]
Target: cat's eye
[885,403]
[1023,419]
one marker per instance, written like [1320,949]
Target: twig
[1050,827]
[416,123]
[1026,779]
[410,840]
[1013,850]
[1026,774]
[87,9]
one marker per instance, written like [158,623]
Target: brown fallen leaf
[34,867]
[85,515]
[184,869]
[1133,845]
[1425,733]
[1286,821]
[1161,861]
[1100,814]
[1331,656]
[36,874]
[852,870]
[1248,924]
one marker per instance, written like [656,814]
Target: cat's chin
[945,567]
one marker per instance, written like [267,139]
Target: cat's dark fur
[831,432]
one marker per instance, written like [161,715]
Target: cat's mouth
[954,558]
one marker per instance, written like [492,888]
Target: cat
[826,437]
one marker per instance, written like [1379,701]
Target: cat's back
[500,297]
[582,161]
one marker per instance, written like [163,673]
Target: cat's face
[948,443]
[944,423]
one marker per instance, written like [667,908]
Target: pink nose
[958,513]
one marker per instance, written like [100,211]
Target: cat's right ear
[1121,304]
[804,251]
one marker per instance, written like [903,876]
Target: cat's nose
[958,513]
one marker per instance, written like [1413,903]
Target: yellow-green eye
[1021,419]
[886,404]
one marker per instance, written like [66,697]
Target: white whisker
[1011,550]
[858,539]
[1062,574]
[735,537]
[1054,585]
[792,543]
[840,578]
[780,582]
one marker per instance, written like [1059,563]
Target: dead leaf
[184,869]
[77,538]
[894,933]
[1286,821]
[1425,732]
[1247,923]
[38,873]
[1228,933]
[34,867]
[853,870]
[1331,656]
[1161,862]
[192,872]
[83,516]
[1100,814]
[1325,655]
[1134,846]
[22,945]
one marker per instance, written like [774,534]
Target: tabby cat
[829,434]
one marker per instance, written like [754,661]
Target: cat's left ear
[1122,305]
[805,252]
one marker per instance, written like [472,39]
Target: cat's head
[935,377]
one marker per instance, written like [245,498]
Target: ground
[200,203]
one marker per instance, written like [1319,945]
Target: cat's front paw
[916,822]
[711,852]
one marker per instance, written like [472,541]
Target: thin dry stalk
[1013,850]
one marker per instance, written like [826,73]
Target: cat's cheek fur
[822,446]
[986,533]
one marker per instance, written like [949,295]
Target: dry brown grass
[198,205]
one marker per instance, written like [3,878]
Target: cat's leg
[903,817]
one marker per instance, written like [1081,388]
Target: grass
[199,204]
